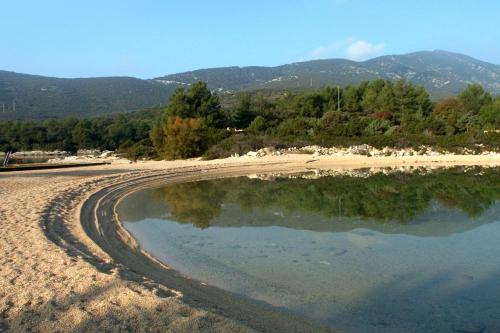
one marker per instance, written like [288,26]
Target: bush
[293,127]
[182,138]
[238,144]
[258,125]
[243,143]
[377,126]
[140,150]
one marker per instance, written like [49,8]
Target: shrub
[293,126]
[377,126]
[257,125]
[183,138]
[140,150]
[238,144]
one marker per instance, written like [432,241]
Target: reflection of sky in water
[420,277]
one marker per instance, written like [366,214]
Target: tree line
[378,112]
[195,122]
[398,197]
[115,132]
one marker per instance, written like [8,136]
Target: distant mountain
[25,96]
[38,97]
[442,73]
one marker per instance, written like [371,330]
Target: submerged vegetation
[380,113]
[398,196]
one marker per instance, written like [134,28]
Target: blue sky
[149,38]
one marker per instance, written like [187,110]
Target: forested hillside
[36,97]
[194,123]
[441,73]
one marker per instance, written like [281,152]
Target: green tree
[377,127]
[351,100]
[243,114]
[258,125]
[331,98]
[309,105]
[474,97]
[385,101]
[370,101]
[293,127]
[411,99]
[197,102]
[489,115]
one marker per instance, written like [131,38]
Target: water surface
[388,252]
[29,159]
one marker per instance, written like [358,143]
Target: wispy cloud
[362,50]
[354,49]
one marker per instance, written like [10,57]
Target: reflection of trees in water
[196,203]
[395,197]
[471,200]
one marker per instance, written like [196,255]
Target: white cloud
[362,50]
[350,48]
[329,51]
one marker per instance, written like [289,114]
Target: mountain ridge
[436,70]
[26,96]
[442,73]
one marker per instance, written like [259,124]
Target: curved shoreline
[99,221]
[45,227]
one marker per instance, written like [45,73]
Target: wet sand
[63,269]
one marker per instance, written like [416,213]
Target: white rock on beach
[251,154]
[364,149]
[106,153]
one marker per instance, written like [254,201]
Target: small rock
[252,154]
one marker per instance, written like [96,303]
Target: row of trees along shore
[194,123]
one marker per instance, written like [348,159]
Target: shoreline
[116,241]
[59,227]
[44,166]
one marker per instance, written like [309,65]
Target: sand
[54,277]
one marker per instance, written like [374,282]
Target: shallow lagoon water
[413,252]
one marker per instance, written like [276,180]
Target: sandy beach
[60,273]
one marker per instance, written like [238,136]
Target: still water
[388,251]
[29,159]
